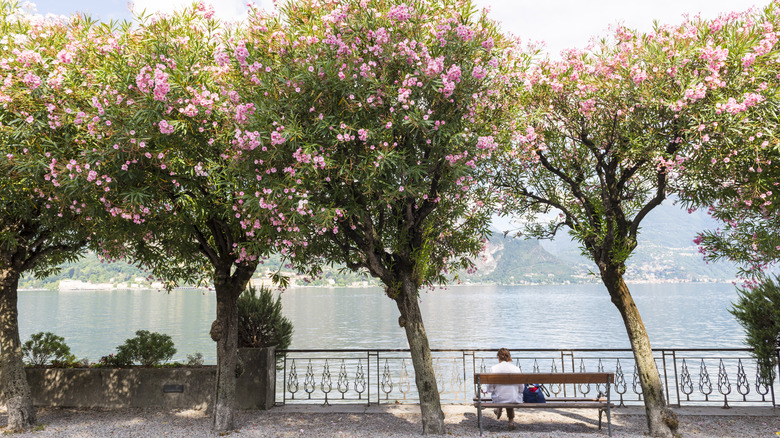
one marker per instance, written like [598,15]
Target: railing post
[676,380]
[666,377]
[778,376]
[466,378]
[284,380]
[368,367]
[569,353]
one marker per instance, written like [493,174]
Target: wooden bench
[602,403]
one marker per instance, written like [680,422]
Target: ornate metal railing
[722,377]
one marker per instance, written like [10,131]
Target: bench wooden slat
[542,378]
[557,399]
[549,405]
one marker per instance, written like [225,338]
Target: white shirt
[506,393]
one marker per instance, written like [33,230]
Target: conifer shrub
[758,311]
[261,322]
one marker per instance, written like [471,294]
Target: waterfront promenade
[317,421]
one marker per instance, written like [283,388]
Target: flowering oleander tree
[171,127]
[45,219]
[390,110]
[738,182]
[616,129]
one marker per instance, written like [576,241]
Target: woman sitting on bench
[506,393]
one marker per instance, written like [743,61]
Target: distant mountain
[666,252]
[516,261]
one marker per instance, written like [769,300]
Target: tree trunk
[424,376]
[224,331]
[15,390]
[661,420]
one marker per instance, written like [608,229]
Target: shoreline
[377,286]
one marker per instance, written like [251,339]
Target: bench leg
[601,411]
[609,412]
[479,419]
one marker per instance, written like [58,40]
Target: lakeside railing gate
[691,377]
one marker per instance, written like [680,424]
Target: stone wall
[186,388]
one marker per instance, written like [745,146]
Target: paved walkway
[392,421]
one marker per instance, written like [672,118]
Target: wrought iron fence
[690,377]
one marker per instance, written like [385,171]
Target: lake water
[693,315]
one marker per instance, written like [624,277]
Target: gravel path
[390,421]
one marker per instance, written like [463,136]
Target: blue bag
[533,394]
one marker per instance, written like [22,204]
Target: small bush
[147,348]
[195,360]
[260,320]
[70,362]
[113,361]
[45,346]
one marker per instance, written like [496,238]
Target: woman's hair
[503,355]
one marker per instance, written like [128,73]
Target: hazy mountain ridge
[666,252]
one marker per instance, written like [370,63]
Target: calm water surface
[93,323]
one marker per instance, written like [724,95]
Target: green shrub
[45,346]
[260,320]
[195,360]
[147,348]
[758,311]
[113,361]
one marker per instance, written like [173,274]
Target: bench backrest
[542,378]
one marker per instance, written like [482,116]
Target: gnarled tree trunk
[224,331]
[424,376]
[15,390]
[661,420]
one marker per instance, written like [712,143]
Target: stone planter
[183,388]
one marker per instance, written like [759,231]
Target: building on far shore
[81,285]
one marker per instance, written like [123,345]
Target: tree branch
[205,248]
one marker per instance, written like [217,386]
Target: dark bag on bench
[533,394]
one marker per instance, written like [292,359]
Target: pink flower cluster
[277,138]
[165,127]
[450,79]
[734,107]
[401,13]
[156,78]
[32,80]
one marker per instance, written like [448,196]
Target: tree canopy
[389,110]
[612,131]
[46,217]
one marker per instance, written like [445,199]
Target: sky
[559,23]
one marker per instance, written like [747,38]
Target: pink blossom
[466,33]
[243,110]
[479,72]
[276,138]
[161,87]
[241,53]
[32,80]
[27,57]
[434,66]
[401,12]
[487,143]
[165,127]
